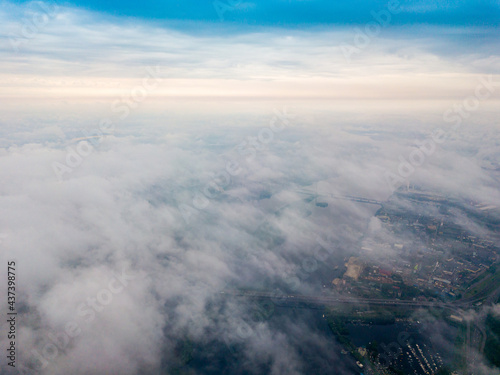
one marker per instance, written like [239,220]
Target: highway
[475,336]
[334,300]
[296,299]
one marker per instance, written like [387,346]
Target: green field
[488,280]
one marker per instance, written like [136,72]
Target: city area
[433,258]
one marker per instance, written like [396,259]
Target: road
[475,337]
[333,300]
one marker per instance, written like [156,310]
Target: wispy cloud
[79,53]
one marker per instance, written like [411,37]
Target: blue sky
[293,13]
[274,48]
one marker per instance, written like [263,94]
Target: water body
[309,342]
[361,335]
[393,338]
